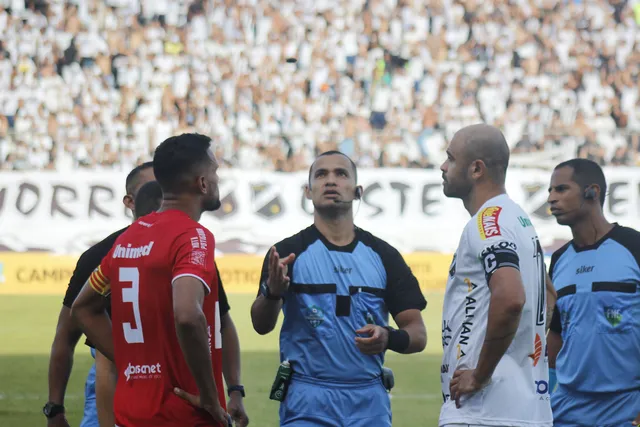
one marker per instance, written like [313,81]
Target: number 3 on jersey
[133,335]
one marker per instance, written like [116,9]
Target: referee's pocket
[616,310]
[318,313]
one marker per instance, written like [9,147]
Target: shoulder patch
[488,222]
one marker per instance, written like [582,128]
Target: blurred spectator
[99,83]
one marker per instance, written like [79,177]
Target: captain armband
[497,255]
[99,282]
[398,340]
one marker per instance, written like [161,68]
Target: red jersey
[139,272]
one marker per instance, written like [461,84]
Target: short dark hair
[330,153]
[148,199]
[132,179]
[179,157]
[585,173]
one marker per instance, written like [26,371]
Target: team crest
[613,315]
[315,316]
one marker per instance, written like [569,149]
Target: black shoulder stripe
[316,288]
[622,287]
[567,290]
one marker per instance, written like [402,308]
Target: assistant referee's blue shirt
[598,313]
[334,291]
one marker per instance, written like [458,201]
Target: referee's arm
[554,338]
[68,332]
[274,282]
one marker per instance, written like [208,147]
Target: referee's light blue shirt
[598,313]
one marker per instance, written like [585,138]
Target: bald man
[494,370]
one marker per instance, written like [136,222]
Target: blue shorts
[90,418]
[310,403]
[576,409]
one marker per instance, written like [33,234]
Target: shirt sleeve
[493,242]
[403,290]
[100,279]
[193,255]
[222,295]
[81,274]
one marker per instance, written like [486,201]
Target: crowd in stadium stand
[99,83]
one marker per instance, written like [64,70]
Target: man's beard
[210,205]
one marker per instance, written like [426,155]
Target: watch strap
[266,292]
[52,409]
[233,388]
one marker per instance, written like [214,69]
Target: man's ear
[477,168]
[129,202]
[307,191]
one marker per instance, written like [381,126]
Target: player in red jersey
[166,340]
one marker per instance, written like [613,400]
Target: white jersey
[499,235]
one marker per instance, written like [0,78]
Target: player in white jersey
[494,370]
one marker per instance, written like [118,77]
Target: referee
[68,333]
[594,339]
[336,285]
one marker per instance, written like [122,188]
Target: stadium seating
[99,83]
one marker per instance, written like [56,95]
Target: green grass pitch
[27,325]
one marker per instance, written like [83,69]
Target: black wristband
[398,340]
[266,292]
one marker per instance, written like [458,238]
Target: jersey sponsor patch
[500,254]
[198,258]
[488,222]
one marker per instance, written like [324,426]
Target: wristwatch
[233,388]
[266,292]
[51,409]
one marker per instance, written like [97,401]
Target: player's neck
[589,230]
[479,197]
[171,202]
[338,230]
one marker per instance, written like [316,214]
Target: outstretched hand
[278,281]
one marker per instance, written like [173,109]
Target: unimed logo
[142,371]
[132,253]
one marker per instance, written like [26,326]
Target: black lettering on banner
[27,275]
[501,254]
[614,200]
[56,204]
[366,196]
[23,191]
[427,202]
[444,369]
[93,200]
[402,188]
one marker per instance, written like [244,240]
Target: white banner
[67,212]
